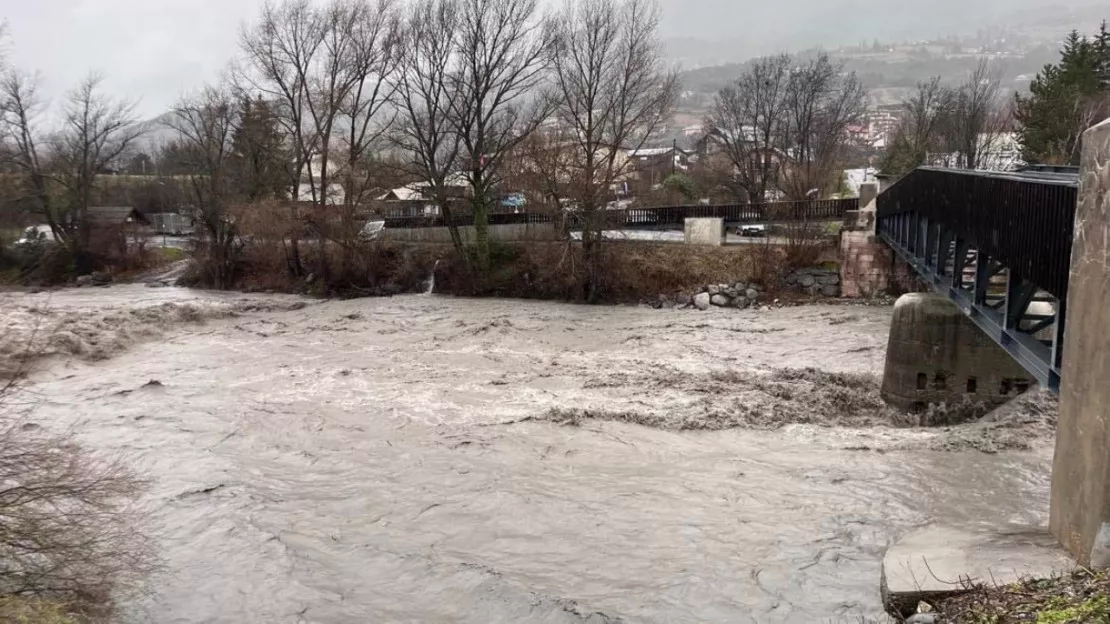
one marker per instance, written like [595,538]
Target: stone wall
[814,282]
[864,265]
[869,268]
[1080,516]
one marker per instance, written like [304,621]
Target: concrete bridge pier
[1080,516]
[937,355]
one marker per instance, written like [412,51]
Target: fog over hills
[154,52]
[716,31]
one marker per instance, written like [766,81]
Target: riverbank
[631,271]
[404,459]
[1079,598]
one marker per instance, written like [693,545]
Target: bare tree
[747,120]
[97,131]
[330,69]
[612,92]
[821,101]
[206,124]
[426,99]
[67,530]
[374,60]
[919,131]
[976,117]
[71,537]
[20,113]
[499,63]
[279,56]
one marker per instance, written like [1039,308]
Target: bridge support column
[867,266]
[937,355]
[1081,470]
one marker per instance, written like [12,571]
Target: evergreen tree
[259,158]
[1065,99]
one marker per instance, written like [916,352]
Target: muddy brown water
[356,462]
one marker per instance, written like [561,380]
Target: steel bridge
[998,245]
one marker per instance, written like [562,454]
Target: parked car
[36,234]
[753,231]
[371,231]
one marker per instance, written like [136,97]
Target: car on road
[752,231]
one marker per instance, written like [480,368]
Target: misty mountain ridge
[701,33]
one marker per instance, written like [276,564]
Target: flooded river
[395,460]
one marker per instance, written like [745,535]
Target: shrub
[70,543]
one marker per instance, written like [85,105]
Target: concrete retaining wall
[1080,516]
[706,232]
[517,232]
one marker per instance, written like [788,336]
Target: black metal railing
[1023,222]
[465,219]
[663,217]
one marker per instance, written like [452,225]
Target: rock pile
[96,278]
[815,282]
[734,295]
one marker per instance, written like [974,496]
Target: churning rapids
[397,460]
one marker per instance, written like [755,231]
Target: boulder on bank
[84,280]
[720,300]
[702,301]
[663,302]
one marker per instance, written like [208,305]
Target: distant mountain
[157,134]
[708,32]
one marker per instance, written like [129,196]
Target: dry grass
[284,248]
[631,271]
[1080,598]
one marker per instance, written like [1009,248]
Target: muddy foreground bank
[437,459]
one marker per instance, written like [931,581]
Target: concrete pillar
[1081,470]
[706,232]
[936,354]
[868,193]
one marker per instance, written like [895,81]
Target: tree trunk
[481,235]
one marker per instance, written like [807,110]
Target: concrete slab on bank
[938,562]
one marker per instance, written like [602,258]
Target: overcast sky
[153,50]
[156,50]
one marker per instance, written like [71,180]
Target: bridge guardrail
[1026,222]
